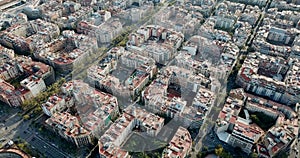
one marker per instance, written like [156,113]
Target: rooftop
[68,124]
[180,144]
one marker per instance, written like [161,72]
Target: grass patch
[24,146]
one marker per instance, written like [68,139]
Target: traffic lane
[44,147]
[40,144]
[25,135]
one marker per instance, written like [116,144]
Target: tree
[102,49]
[253,155]
[219,150]
[26,117]
[142,155]
[43,96]
[205,148]
[122,43]
[21,146]
[37,110]
[225,154]
[199,155]
[254,118]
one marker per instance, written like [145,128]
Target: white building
[34,84]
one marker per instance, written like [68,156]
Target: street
[78,72]
[203,139]
[15,127]
[38,143]
[10,124]
[208,124]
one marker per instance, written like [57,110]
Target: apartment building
[155,42]
[266,76]
[67,52]
[34,84]
[277,139]
[110,142]
[23,37]
[180,145]
[69,128]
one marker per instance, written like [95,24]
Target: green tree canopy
[26,117]
[219,150]
[254,155]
